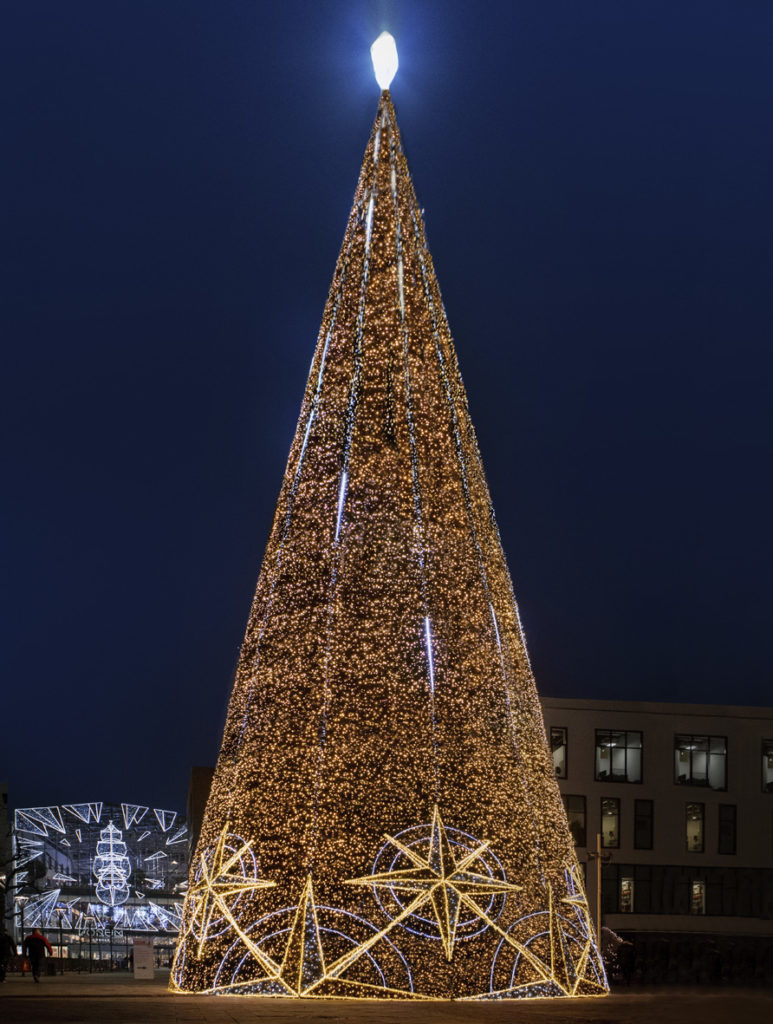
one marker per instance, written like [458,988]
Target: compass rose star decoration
[576,896]
[220,880]
[440,882]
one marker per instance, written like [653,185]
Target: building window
[575,813]
[626,895]
[694,822]
[558,746]
[618,755]
[610,822]
[698,897]
[767,766]
[727,820]
[643,813]
[700,761]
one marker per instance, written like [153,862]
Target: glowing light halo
[383,53]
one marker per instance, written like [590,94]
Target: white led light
[383,53]
[430,660]
[369,224]
[341,496]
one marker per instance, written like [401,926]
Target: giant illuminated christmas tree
[384,819]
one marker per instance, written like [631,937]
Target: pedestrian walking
[35,946]
[7,950]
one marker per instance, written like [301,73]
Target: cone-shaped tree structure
[384,818]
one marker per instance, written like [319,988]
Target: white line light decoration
[430,659]
[165,818]
[341,498]
[369,224]
[112,867]
[133,814]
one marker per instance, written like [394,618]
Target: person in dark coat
[35,947]
[7,950]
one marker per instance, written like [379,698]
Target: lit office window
[727,822]
[643,814]
[698,898]
[558,746]
[618,755]
[610,822]
[767,766]
[700,761]
[694,829]
[575,812]
[626,896]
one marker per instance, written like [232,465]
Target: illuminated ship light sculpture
[384,819]
[112,867]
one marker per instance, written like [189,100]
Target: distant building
[682,795]
[198,794]
[6,855]
[92,875]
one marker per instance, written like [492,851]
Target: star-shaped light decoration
[568,963]
[440,881]
[218,883]
[303,963]
[576,897]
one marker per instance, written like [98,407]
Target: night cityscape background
[596,181]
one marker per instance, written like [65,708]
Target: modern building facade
[682,796]
[93,875]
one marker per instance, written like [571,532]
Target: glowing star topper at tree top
[383,53]
[384,819]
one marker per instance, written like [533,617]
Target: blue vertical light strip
[293,491]
[341,496]
[523,639]
[290,503]
[342,492]
[503,668]
[429,298]
[430,659]
[313,410]
[369,224]
[412,446]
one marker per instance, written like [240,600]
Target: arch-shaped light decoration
[383,53]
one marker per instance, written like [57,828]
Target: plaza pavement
[111,999]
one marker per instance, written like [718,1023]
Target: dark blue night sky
[175,186]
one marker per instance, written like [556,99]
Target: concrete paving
[111,999]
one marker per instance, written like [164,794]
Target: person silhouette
[7,950]
[35,946]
